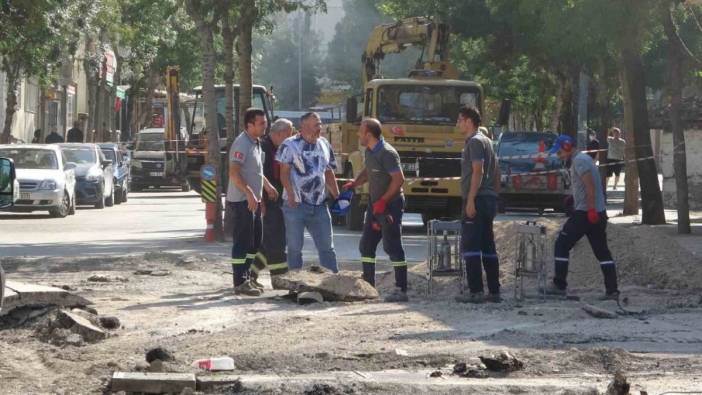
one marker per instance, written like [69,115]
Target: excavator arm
[395,37]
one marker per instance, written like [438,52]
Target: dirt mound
[645,257]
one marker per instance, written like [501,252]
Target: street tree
[31,41]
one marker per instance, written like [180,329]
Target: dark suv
[530,178]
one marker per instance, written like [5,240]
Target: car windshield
[424,104]
[27,158]
[79,155]
[149,142]
[109,154]
[524,144]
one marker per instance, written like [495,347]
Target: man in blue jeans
[307,166]
[480,182]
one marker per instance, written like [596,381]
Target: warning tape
[208,191]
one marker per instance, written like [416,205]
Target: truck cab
[198,130]
[419,119]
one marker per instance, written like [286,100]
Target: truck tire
[354,218]
[185,186]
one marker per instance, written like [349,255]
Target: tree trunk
[675,87]
[556,116]
[210,102]
[634,78]
[244,50]
[631,176]
[13,75]
[228,48]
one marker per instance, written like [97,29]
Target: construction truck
[418,114]
[198,130]
[158,151]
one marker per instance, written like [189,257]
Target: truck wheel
[185,186]
[354,218]
[125,194]
[72,210]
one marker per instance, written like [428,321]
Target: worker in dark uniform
[480,183]
[244,195]
[272,251]
[589,219]
[384,215]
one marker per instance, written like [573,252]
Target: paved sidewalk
[691,242]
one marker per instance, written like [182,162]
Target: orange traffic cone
[210,214]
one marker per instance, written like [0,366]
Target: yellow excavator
[418,114]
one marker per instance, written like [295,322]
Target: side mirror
[70,166]
[130,146]
[505,110]
[106,162]
[351,110]
[7,183]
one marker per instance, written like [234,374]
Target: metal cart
[444,256]
[531,257]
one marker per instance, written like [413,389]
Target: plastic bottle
[218,363]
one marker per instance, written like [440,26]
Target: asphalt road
[159,221]
[156,220]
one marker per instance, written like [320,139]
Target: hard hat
[342,204]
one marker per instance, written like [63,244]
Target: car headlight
[48,185]
[93,175]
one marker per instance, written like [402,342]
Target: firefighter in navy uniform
[271,254]
[244,195]
[383,173]
[589,219]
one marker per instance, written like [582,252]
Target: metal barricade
[531,257]
[444,256]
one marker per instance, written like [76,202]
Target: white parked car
[47,181]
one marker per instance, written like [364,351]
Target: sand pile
[645,257]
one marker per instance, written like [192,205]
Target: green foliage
[277,65]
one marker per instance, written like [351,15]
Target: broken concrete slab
[21,294]
[598,312]
[332,287]
[502,362]
[155,383]
[81,326]
[309,297]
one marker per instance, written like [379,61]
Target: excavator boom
[395,37]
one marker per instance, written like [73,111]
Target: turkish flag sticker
[397,131]
[239,156]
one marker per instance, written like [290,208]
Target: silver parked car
[47,180]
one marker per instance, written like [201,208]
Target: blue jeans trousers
[317,221]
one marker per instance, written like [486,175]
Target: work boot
[256,284]
[397,296]
[473,297]
[248,289]
[494,298]
[552,289]
[614,295]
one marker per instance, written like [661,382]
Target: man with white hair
[271,254]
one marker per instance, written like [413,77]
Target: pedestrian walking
[383,220]
[53,138]
[480,178]
[307,173]
[589,219]
[615,156]
[271,254]
[37,137]
[74,134]
[244,194]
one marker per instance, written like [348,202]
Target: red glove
[593,216]
[379,206]
[348,185]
